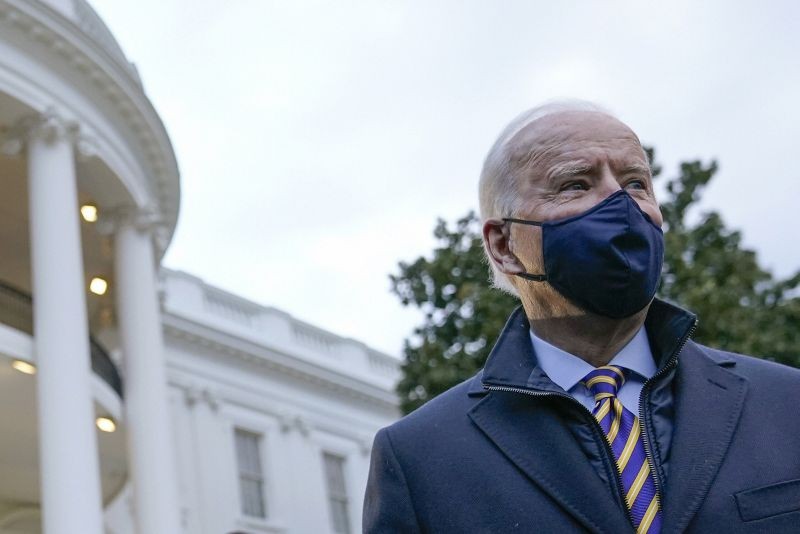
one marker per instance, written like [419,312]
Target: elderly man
[595,411]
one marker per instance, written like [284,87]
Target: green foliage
[742,308]
[463,314]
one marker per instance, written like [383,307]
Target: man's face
[568,162]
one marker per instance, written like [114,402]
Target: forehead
[574,135]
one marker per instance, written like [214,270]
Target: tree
[742,307]
[463,314]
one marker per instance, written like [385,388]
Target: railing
[382,364]
[188,296]
[16,311]
[314,338]
[223,305]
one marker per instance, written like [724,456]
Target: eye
[636,183]
[574,186]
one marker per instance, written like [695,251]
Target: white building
[301,405]
[135,399]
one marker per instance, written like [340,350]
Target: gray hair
[499,183]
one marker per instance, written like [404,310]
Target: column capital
[191,395]
[49,126]
[288,421]
[145,219]
[194,395]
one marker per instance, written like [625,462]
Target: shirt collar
[567,370]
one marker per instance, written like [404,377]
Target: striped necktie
[624,434]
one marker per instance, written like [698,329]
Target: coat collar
[513,363]
[709,397]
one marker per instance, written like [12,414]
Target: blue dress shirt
[567,370]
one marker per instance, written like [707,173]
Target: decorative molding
[85,148]
[302,426]
[83,46]
[275,361]
[274,329]
[50,126]
[285,422]
[93,26]
[328,421]
[161,292]
[161,235]
[192,395]
[147,220]
[288,422]
[211,399]
[221,304]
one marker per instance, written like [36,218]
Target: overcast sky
[319,141]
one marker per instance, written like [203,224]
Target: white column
[70,480]
[215,456]
[147,410]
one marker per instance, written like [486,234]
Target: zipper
[595,427]
[648,448]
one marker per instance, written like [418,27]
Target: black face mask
[607,260]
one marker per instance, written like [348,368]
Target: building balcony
[16,312]
[19,443]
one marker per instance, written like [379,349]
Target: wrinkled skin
[566,163]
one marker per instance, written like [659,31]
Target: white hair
[499,186]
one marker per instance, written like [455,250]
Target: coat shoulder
[441,415]
[758,371]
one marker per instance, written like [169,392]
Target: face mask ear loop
[522,221]
[528,276]
[534,277]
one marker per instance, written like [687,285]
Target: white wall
[221,380]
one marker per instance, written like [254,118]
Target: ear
[497,238]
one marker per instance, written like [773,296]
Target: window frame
[259,478]
[343,495]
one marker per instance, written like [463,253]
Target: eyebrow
[565,170]
[634,168]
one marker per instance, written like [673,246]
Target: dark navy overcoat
[517,458]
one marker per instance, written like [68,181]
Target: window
[337,493]
[251,475]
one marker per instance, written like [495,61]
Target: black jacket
[509,451]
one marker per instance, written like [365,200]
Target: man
[595,411]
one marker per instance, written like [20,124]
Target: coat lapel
[538,442]
[708,401]
[534,436]
[709,398]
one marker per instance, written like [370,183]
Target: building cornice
[303,420]
[229,348]
[114,78]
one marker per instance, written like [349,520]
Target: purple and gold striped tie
[624,435]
